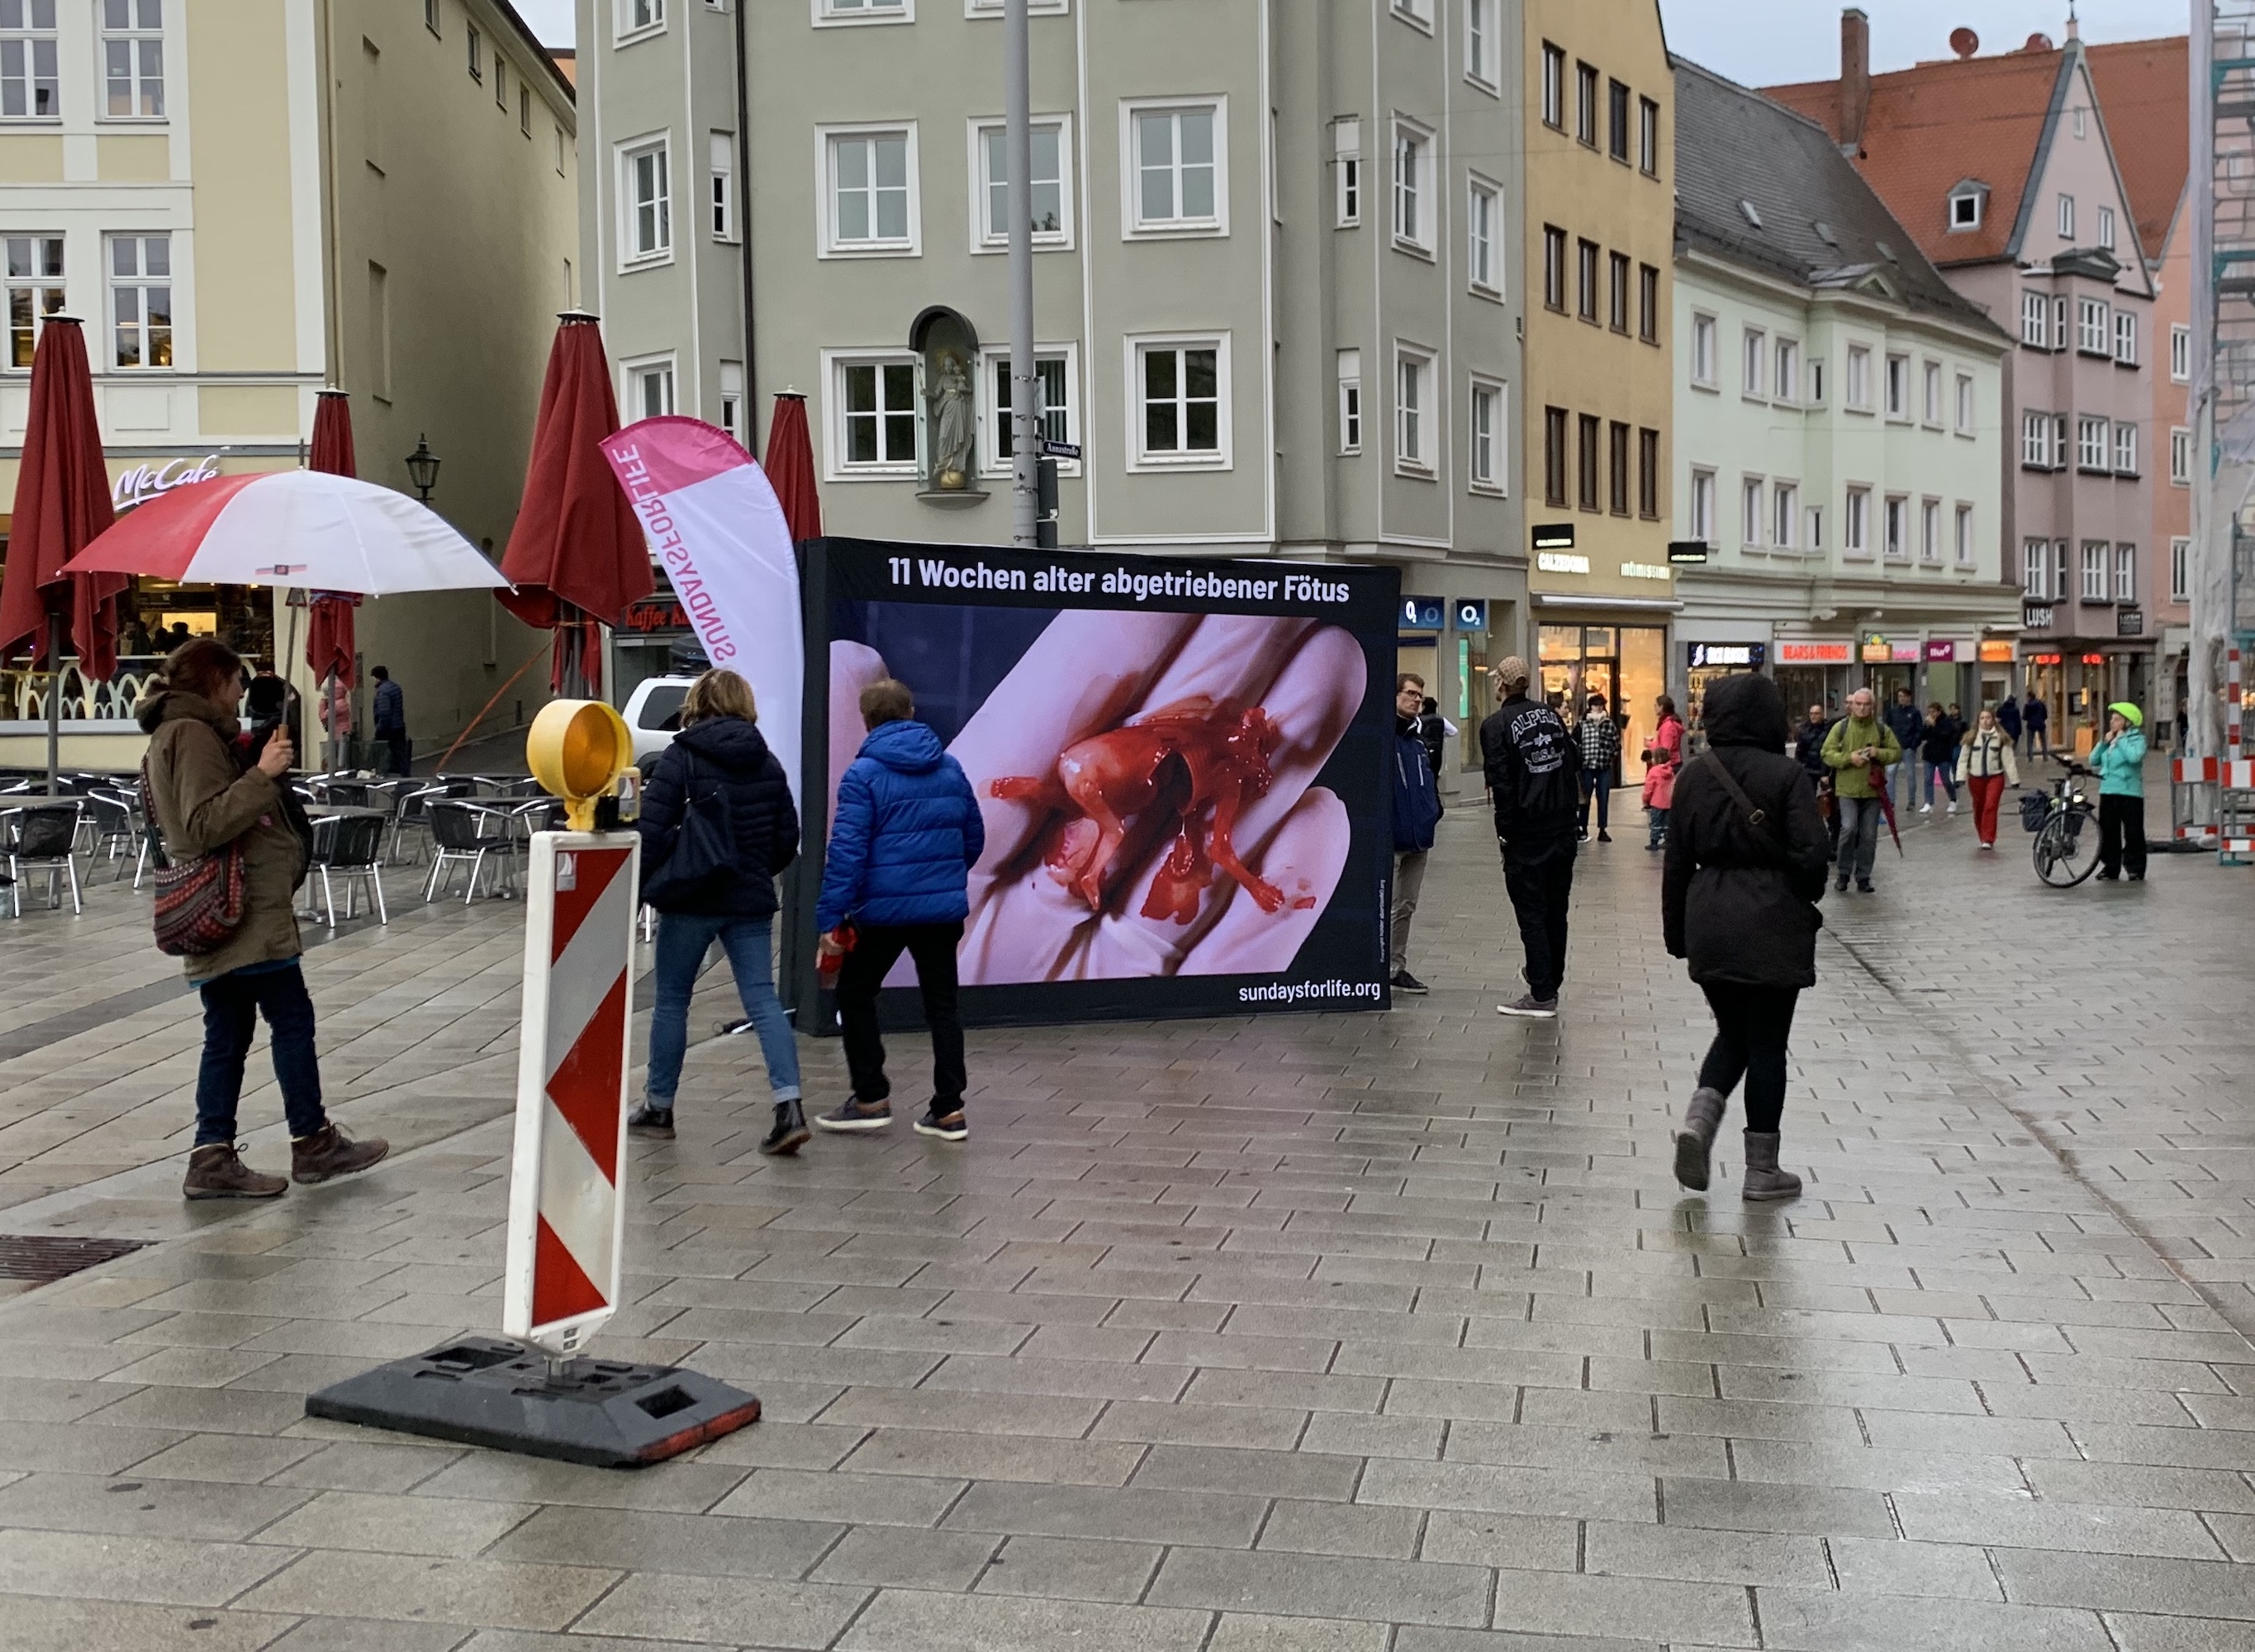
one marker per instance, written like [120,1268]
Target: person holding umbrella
[1860,751]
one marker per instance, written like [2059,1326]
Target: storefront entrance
[1626,663]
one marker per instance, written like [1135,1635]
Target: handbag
[703,856]
[199,902]
[1757,817]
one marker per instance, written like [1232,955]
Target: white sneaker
[1926,808]
[1953,806]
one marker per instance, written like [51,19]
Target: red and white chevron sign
[566,1217]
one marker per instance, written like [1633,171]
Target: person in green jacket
[1859,741]
[2119,757]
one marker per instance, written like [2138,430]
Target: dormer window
[1965,209]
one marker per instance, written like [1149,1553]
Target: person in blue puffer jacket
[906,836]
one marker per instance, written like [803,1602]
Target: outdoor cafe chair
[459,838]
[350,849]
[41,840]
[116,829]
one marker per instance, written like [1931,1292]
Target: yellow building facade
[247,200]
[1600,202]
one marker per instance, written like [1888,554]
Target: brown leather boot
[329,1152]
[217,1171]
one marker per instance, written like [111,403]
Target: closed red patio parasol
[790,467]
[577,555]
[331,645]
[62,502]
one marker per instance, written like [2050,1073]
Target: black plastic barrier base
[480,1391]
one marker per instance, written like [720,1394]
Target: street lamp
[423,469]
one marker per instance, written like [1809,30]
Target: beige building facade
[246,200]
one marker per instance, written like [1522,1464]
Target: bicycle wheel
[2067,848]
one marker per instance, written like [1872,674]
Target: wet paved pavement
[1365,1333]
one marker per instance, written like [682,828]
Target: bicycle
[2067,831]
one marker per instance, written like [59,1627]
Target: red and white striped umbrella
[304,528]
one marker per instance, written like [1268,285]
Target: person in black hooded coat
[1739,901]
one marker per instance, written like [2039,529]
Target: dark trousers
[395,741]
[932,946]
[232,1006]
[1539,877]
[1753,1025]
[1597,783]
[2122,835]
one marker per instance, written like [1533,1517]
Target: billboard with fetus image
[1179,765]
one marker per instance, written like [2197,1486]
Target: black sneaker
[789,1133]
[948,1127]
[1864,887]
[656,1123]
[853,1114]
[1581,836]
[1840,884]
[1405,982]
[1605,837]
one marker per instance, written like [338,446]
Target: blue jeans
[1946,771]
[683,941]
[233,1003]
[1599,783]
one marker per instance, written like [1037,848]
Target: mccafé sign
[143,482]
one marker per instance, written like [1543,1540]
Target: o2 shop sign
[143,482]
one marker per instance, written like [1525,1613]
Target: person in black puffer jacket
[719,758]
[1739,900]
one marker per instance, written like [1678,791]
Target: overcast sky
[1764,42]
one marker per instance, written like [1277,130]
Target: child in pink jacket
[1662,758]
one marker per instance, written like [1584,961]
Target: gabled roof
[1930,127]
[2145,91]
[1821,223]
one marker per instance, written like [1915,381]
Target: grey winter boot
[1764,1179]
[1697,1139]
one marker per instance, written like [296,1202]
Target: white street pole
[1025,430]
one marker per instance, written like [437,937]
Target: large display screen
[1180,765]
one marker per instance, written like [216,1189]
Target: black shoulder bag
[1765,831]
[704,856]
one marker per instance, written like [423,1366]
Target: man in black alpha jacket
[1533,783]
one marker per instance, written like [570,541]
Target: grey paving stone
[1127,1514]
[1255,1632]
[906,1620]
[1072,1568]
[35,1625]
[728,1611]
[350,1635]
[1800,1620]
[1629,1608]
[1323,1587]
[1524,1542]
[1890,1566]
[1695,1556]
[888,1499]
[904,1451]
[155,1571]
[1343,1528]
[896,1559]
[1254,1473]
[476,1593]
[137,1507]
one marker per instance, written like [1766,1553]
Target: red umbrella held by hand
[62,502]
[577,554]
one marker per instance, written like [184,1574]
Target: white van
[653,713]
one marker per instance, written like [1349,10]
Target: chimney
[1855,78]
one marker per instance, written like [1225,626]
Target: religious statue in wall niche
[953,424]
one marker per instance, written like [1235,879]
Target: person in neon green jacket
[2119,757]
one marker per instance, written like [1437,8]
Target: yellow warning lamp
[578,750]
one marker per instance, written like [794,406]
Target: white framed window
[2097,578]
[2090,327]
[1750,512]
[140,301]
[1486,429]
[2090,443]
[1178,402]
[2107,226]
[2125,574]
[1347,174]
[1177,167]
[133,60]
[2063,571]
[1647,138]
[870,196]
[645,201]
[1964,536]
[1483,51]
[1413,205]
[431,15]
[2035,440]
[1859,378]
[2066,217]
[476,53]
[2035,568]
[638,17]
[1754,358]
[993,8]
[2060,336]
[1897,528]
[561,149]
[1965,209]
[2179,438]
[28,78]
[2180,570]
[1898,387]
[1856,530]
[1813,519]
[1931,388]
[1412,408]
[2180,353]
[1702,350]
[874,424]
[1784,515]
[35,291]
[1350,402]
[732,400]
[2125,449]
[1929,530]
[832,12]
[1965,405]
[1786,386]
[1483,235]
[2035,320]
[1702,506]
[649,383]
[1816,381]
[2126,338]
[1050,145]
[524,109]
[1417,12]
[1058,368]
[720,200]
[1554,86]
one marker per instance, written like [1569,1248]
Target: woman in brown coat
[206,795]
